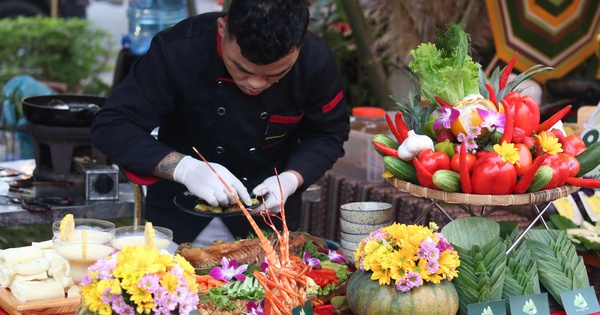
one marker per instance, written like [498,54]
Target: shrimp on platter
[284,281]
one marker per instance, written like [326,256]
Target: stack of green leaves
[483,260]
[560,269]
[521,270]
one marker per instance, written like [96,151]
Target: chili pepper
[506,72]
[508,127]
[583,182]
[401,125]
[567,146]
[424,176]
[560,170]
[525,112]
[553,119]
[393,128]
[492,176]
[442,102]
[527,178]
[492,94]
[465,177]
[385,149]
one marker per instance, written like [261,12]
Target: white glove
[201,181]
[270,189]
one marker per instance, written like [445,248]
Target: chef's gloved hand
[270,189]
[201,181]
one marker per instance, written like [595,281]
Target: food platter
[186,202]
[535,198]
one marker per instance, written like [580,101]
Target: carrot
[553,119]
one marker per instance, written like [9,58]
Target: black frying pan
[62,110]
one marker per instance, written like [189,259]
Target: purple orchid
[336,257]
[492,119]
[444,117]
[311,261]
[229,270]
[255,308]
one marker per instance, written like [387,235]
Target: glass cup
[134,236]
[89,243]
[87,224]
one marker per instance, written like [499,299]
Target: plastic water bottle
[148,17]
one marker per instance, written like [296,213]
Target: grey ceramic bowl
[348,244]
[360,228]
[369,212]
[353,237]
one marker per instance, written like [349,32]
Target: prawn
[284,281]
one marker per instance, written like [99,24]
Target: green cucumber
[400,169]
[588,159]
[447,180]
[385,140]
[541,178]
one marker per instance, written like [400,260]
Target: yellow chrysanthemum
[549,142]
[508,152]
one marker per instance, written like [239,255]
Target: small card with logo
[303,310]
[591,205]
[580,301]
[568,208]
[488,308]
[532,304]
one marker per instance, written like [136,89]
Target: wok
[62,110]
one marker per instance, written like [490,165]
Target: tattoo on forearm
[166,167]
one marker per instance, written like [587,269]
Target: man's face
[251,78]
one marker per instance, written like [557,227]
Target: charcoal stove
[55,150]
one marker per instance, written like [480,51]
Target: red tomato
[455,162]
[525,159]
[572,162]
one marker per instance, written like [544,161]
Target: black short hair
[267,30]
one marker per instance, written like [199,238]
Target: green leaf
[481,231]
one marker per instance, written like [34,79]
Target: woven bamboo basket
[535,198]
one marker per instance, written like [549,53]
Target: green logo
[529,307]
[579,301]
[487,311]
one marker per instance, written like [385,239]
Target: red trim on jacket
[333,103]
[285,119]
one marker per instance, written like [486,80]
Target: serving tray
[535,198]
[10,304]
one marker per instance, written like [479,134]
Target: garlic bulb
[414,144]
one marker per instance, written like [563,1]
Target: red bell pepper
[553,119]
[492,176]
[560,170]
[323,276]
[577,142]
[527,178]
[465,177]
[525,112]
[583,182]
[572,162]
[434,161]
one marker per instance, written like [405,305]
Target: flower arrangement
[407,255]
[140,280]
[484,134]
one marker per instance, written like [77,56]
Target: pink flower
[492,119]
[336,257]
[229,270]
[255,308]
[311,261]
[444,117]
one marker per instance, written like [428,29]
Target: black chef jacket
[181,85]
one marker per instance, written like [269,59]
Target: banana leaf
[468,231]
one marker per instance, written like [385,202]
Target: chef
[252,91]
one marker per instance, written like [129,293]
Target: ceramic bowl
[353,237]
[369,212]
[360,228]
[134,236]
[349,245]
[349,254]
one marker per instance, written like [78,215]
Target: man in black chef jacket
[252,90]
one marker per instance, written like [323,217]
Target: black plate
[186,202]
